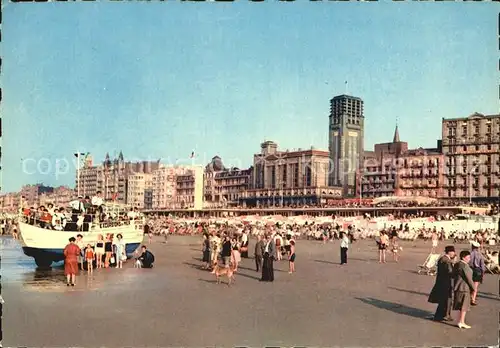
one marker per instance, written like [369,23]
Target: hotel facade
[224,186]
[177,187]
[471,147]
[392,169]
[285,178]
[111,177]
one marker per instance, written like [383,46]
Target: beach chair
[429,267]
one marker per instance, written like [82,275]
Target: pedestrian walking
[268,264]
[259,253]
[463,286]
[344,247]
[478,269]
[442,292]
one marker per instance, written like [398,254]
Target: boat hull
[47,246]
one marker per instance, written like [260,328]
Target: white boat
[47,246]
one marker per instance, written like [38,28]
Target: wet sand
[177,304]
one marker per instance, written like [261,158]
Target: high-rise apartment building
[471,146]
[346,141]
[178,187]
[136,188]
[111,177]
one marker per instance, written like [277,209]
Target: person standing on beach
[291,257]
[463,286]
[434,241]
[259,253]
[442,292]
[344,247]
[205,247]
[108,250]
[99,251]
[382,246]
[226,251]
[269,253]
[71,253]
[81,245]
[478,267]
[89,257]
[244,245]
[120,251]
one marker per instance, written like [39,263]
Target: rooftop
[475,115]
[345,96]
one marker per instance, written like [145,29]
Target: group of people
[103,253]
[83,213]
[227,247]
[457,283]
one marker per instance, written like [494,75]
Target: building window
[296,175]
[308,176]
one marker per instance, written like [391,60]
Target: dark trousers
[343,255]
[258,262]
[268,268]
[443,310]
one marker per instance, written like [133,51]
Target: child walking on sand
[395,249]
[89,257]
[291,258]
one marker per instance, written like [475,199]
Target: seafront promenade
[315,211]
[177,304]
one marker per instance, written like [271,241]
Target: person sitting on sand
[147,258]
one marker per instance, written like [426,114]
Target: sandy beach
[178,304]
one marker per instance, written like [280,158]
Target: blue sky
[159,80]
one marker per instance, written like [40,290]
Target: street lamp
[474,167]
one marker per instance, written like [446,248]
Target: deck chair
[429,267]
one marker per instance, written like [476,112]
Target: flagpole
[78,174]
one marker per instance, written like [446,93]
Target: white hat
[475,244]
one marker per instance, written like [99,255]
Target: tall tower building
[346,141]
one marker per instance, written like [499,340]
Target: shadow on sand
[327,262]
[253,269]
[195,266]
[208,281]
[397,308]
[237,274]
[480,294]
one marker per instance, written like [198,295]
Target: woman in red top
[71,253]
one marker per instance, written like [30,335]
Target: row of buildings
[36,195]
[464,164]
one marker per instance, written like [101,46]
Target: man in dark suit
[442,291]
[259,253]
[268,267]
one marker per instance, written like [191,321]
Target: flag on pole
[192,155]
[115,195]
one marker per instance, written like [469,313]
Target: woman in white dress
[120,251]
